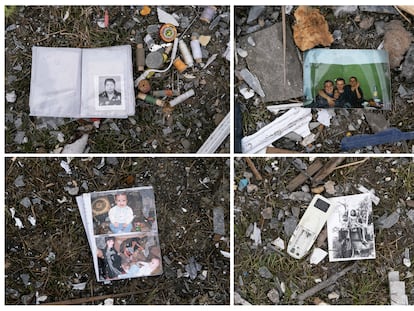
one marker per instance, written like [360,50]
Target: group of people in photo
[339,94]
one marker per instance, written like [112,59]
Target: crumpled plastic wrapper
[397,41]
[311,29]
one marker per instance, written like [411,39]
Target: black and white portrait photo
[350,228]
[109,90]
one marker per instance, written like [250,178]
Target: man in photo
[110,96]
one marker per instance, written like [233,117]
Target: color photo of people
[347,79]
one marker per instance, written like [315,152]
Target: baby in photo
[120,215]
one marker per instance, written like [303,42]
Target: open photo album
[82,83]
[121,227]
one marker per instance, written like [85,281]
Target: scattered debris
[397,289]
[218,221]
[274,296]
[317,256]
[79,146]
[324,284]
[390,221]
[295,120]
[279,243]
[256,235]
[11,97]
[238,300]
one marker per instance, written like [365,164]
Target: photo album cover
[121,227]
[340,78]
[82,83]
[351,229]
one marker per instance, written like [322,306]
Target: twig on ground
[329,281]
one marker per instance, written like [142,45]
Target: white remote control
[309,226]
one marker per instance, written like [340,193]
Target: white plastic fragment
[40,299]
[333,296]
[217,137]
[226,53]
[256,235]
[406,259]
[325,116]
[32,220]
[18,223]
[79,286]
[166,18]
[78,146]
[108,302]
[11,97]
[12,211]
[279,243]
[397,289]
[225,254]
[317,255]
[66,167]
[66,16]
[238,300]
[308,139]
[295,120]
[246,92]
[374,198]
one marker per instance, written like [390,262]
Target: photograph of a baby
[122,212]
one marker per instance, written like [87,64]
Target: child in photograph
[112,260]
[121,215]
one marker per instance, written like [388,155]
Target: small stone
[26,202]
[333,296]
[11,97]
[265,273]
[251,188]
[267,213]
[318,189]
[300,196]
[390,220]
[330,187]
[242,53]
[274,296]
[19,182]
[367,23]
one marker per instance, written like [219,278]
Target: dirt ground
[353,35]
[152,129]
[52,256]
[263,269]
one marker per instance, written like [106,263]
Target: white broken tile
[279,243]
[256,235]
[11,97]
[78,146]
[32,220]
[166,18]
[325,116]
[18,223]
[317,256]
